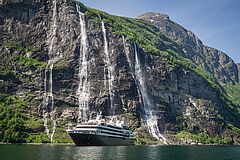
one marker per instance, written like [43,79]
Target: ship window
[125,127]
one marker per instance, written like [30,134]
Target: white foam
[84,85]
[149,119]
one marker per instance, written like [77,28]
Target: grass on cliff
[61,136]
[16,124]
[15,64]
[17,46]
[21,58]
[12,119]
[31,62]
[233,93]
[203,138]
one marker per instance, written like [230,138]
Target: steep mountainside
[238,69]
[61,62]
[216,62]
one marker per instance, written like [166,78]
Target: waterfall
[127,53]
[49,109]
[109,68]
[52,108]
[84,86]
[149,119]
[45,103]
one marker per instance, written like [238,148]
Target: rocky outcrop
[216,62]
[238,69]
[182,99]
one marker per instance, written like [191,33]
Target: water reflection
[98,153]
[58,152]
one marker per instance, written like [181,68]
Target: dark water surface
[58,152]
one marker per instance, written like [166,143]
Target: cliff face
[66,58]
[212,60]
[238,69]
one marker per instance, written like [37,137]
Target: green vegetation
[34,125]
[140,141]
[12,119]
[17,46]
[61,136]
[6,71]
[146,141]
[233,93]
[16,125]
[30,62]
[233,128]
[15,66]
[37,138]
[203,138]
[143,137]
[62,64]
[21,57]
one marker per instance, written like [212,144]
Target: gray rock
[214,61]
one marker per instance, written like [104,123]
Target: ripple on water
[61,152]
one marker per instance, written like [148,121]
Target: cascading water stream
[52,109]
[148,117]
[127,53]
[45,103]
[109,67]
[49,109]
[84,85]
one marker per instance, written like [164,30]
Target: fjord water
[60,152]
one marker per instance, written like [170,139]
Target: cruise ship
[98,132]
